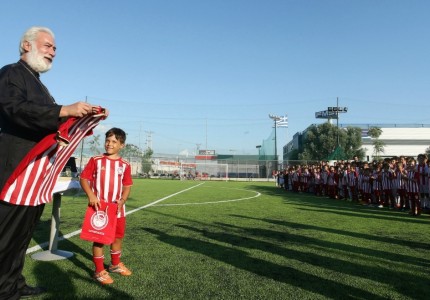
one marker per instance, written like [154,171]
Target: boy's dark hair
[119,134]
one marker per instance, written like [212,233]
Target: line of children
[399,182]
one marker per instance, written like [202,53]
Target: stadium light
[275,119]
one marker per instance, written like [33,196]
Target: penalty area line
[69,235]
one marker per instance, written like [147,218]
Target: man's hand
[78,109]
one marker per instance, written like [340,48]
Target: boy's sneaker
[121,269]
[103,277]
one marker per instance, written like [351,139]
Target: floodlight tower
[275,119]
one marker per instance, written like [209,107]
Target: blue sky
[208,73]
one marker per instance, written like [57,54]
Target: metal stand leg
[53,253]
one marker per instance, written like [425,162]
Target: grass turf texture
[276,246]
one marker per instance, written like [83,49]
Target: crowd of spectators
[400,183]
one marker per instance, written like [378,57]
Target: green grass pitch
[242,240]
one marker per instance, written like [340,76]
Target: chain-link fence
[171,166]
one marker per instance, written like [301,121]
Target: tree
[378,145]
[353,143]
[131,150]
[293,155]
[427,151]
[320,141]
[132,153]
[147,161]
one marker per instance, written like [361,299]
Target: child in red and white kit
[423,183]
[412,188]
[399,184]
[305,179]
[317,181]
[332,181]
[366,187]
[324,179]
[296,179]
[107,178]
[377,186]
[387,186]
[352,182]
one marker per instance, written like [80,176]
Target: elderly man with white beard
[28,113]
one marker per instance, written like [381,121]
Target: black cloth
[17,224]
[27,114]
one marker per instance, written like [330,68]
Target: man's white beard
[36,61]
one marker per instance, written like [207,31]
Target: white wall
[401,141]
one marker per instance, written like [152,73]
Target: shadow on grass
[285,237]
[344,207]
[368,213]
[389,269]
[242,260]
[372,237]
[59,282]
[415,285]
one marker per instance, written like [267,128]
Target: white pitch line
[69,235]
[257,194]
[162,199]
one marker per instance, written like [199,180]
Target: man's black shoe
[29,291]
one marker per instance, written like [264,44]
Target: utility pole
[337,120]
[149,139]
[275,120]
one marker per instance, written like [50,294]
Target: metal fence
[170,164]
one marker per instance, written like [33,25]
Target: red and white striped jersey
[295,176]
[376,181]
[412,182]
[343,177]
[305,177]
[332,178]
[365,184]
[423,172]
[386,179]
[360,181]
[34,179]
[317,178]
[352,178]
[324,176]
[107,177]
[398,181]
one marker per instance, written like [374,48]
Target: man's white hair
[30,36]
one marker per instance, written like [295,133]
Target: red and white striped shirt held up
[33,180]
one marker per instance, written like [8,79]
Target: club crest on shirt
[120,170]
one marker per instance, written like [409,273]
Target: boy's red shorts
[120,228]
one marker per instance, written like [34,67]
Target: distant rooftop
[364,126]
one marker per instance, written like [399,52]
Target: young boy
[107,178]
[412,188]
[399,183]
[352,181]
[423,183]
